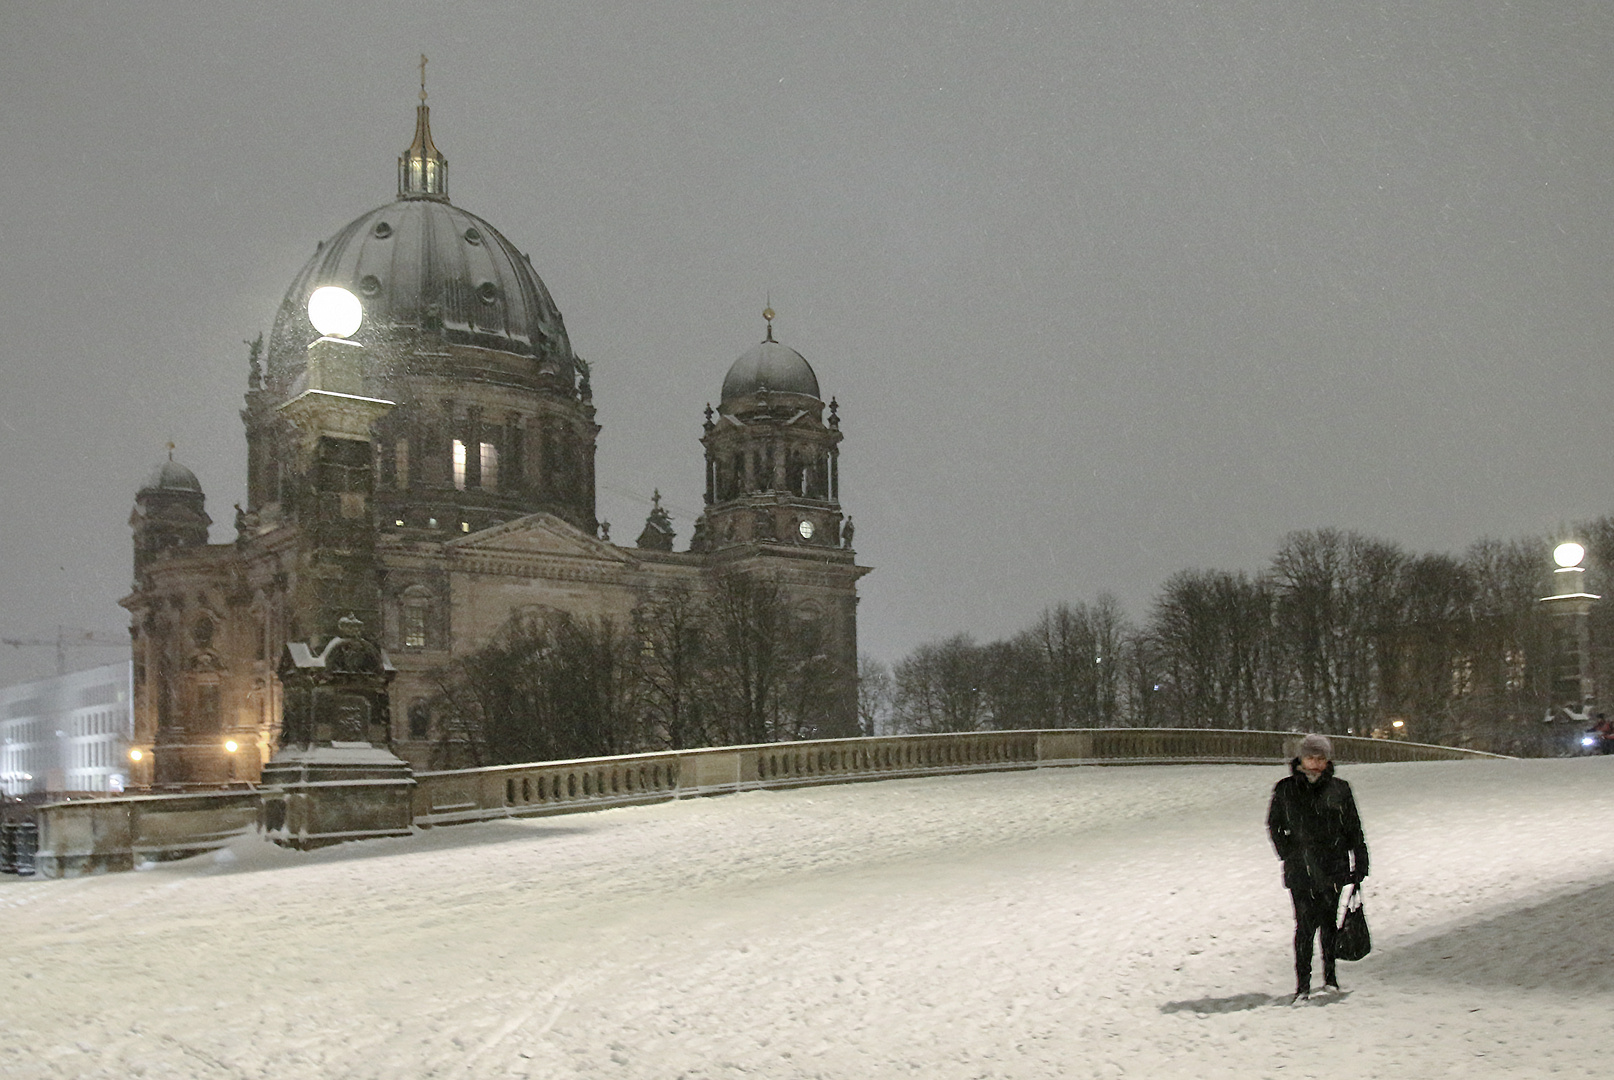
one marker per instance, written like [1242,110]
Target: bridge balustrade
[96,835]
[541,788]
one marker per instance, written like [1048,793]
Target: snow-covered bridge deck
[1065,922]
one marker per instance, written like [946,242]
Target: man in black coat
[1314,825]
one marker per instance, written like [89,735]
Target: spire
[767,313]
[422,169]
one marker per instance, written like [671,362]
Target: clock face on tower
[806,530]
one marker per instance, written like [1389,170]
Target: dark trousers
[1314,917]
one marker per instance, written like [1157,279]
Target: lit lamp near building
[1572,687]
[142,766]
[334,777]
[335,312]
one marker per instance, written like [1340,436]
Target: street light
[1573,685]
[230,747]
[334,311]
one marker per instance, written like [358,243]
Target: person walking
[1314,825]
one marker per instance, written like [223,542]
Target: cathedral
[431,473]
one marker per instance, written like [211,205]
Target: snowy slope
[1070,922]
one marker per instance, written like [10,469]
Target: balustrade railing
[97,835]
[558,787]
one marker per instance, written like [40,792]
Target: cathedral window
[208,713]
[459,464]
[420,720]
[414,625]
[414,617]
[400,454]
[490,466]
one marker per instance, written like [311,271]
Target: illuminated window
[490,466]
[414,626]
[459,464]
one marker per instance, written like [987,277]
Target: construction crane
[68,638]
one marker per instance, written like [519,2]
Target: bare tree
[809,699]
[547,686]
[1212,632]
[746,662]
[1511,646]
[672,627]
[874,689]
[1336,603]
[940,688]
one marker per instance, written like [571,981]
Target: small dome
[773,367]
[172,476]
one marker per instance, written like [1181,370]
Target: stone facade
[434,475]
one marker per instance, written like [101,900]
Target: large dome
[426,265]
[773,367]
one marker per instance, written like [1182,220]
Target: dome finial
[422,169]
[767,313]
[170,450]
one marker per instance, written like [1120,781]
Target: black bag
[1351,939]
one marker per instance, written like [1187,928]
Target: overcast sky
[1106,289]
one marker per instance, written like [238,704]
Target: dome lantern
[422,169]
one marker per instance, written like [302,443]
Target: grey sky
[1106,290]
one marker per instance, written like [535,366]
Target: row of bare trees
[722,661]
[1342,633]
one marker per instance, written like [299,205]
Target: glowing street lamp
[1573,685]
[334,311]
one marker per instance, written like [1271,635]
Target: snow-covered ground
[1070,922]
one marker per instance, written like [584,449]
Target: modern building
[432,474]
[69,734]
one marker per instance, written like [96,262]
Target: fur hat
[1317,746]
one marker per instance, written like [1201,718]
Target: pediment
[538,535]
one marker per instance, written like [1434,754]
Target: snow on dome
[171,476]
[427,266]
[773,367]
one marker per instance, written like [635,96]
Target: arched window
[459,464]
[490,467]
[420,720]
[415,629]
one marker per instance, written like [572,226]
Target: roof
[172,476]
[773,367]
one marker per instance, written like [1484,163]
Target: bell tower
[168,513]
[772,455]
